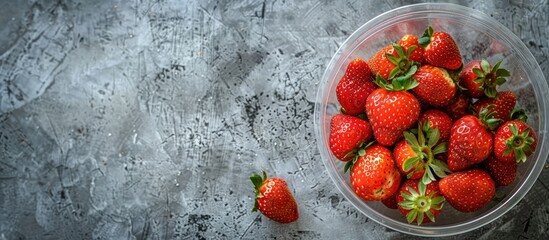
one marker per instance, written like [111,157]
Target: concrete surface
[144,119]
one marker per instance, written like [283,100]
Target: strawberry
[468,190]
[440,50]
[409,40]
[503,173]
[373,175]
[391,109]
[274,199]
[391,202]
[504,103]
[391,61]
[458,107]
[480,79]
[437,119]
[420,203]
[347,133]
[415,156]
[471,140]
[435,86]
[354,87]
[514,141]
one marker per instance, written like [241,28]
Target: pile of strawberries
[418,128]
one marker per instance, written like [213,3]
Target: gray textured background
[143,119]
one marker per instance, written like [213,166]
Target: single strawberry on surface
[504,103]
[274,199]
[471,140]
[415,156]
[374,176]
[391,109]
[514,141]
[503,173]
[347,134]
[480,79]
[420,203]
[440,49]
[354,87]
[469,190]
[435,87]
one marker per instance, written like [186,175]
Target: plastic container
[478,36]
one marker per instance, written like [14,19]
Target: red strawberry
[480,79]
[374,176]
[436,87]
[470,140]
[391,202]
[440,50]
[391,61]
[415,156]
[420,203]
[355,86]
[469,190]
[392,110]
[274,199]
[503,173]
[437,119]
[514,141]
[347,133]
[504,103]
[458,107]
[408,41]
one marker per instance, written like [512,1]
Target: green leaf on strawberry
[425,149]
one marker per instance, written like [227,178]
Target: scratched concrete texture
[144,119]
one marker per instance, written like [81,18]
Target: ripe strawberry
[440,50]
[480,79]
[458,107]
[420,203]
[504,103]
[347,133]
[415,156]
[391,202]
[274,199]
[503,173]
[471,140]
[469,190]
[392,61]
[435,86]
[408,41]
[392,110]
[514,141]
[354,87]
[373,175]
[437,119]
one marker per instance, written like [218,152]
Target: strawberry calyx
[426,150]
[356,153]
[426,38]
[258,181]
[519,114]
[419,204]
[490,77]
[401,83]
[518,143]
[402,61]
[487,119]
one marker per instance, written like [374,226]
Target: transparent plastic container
[478,36]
